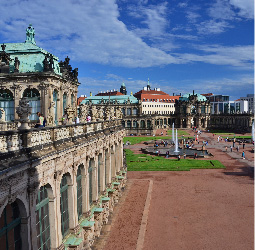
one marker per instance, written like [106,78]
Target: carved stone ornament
[23,111]
[2,115]
[50,115]
[83,112]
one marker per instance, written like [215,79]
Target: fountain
[252,135]
[176,143]
[173,132]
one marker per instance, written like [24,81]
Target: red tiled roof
[80,99]
[109,93]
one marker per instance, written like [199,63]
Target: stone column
[72,205]
[94,180]
[113,162]
[102,172]
[108,166]
[85,189]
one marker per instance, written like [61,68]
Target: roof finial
[148,84]
[30,33]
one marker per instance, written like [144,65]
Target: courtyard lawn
[138,139]
[143,162]
[238,137]
[179,132]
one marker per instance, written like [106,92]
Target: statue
[46,66]
[112,113]
[2,115]
[23,111]
[83,112]
[101,113]
[51,64]
[94,113]
[51,114]
[119,114]
[30,32]
[70,112]
[75,73]
[16,65]
[107,113]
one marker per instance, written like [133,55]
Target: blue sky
[180,45]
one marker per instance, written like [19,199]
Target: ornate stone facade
[42,158]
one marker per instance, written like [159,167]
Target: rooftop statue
[30,32]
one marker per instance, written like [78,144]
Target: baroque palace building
[59,183]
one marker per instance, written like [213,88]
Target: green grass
[220,132]
[239,137]
[143,162]
[138,139]
[179,132]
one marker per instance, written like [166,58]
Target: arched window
[134,124]
[42,219]
[99,168]
[123,124]
[135,111]
[33,97]
[64,102]
[128,111]
[79,192]
[142,124]
[64,206]
[148,124]
[128,124]
[10,227]
[55,99]
[7,103]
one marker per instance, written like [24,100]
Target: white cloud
[246,7]
[212,27]
[222,10]
[238,56]
[85,30]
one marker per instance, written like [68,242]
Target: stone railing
[38,138]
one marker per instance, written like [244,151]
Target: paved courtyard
[197,209]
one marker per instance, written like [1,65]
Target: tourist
[233,143]
[213,135]
[226,148]
[77,120]
[44,121]
[231,149]
[237,148]
[243,145]
[39,123]
[184,156]
[88,118]
[64,119]
[194,156]
[243,155]
[161,133]
[179,157]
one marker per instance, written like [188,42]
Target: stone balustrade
[14,140]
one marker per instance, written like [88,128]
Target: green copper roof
[123,84]
[200,98]
[122,99]
[30,56]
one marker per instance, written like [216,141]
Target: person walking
[237,148]
[233,144]
[179,157]
[184,156]
[243,145]
[231,148]
[226,148]
[243,155]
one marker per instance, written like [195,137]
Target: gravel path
[210,209]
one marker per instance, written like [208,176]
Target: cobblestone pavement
[199,209]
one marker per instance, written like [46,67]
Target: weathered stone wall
[34,158]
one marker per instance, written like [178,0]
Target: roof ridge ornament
[30,35]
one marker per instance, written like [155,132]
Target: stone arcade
[58,184]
